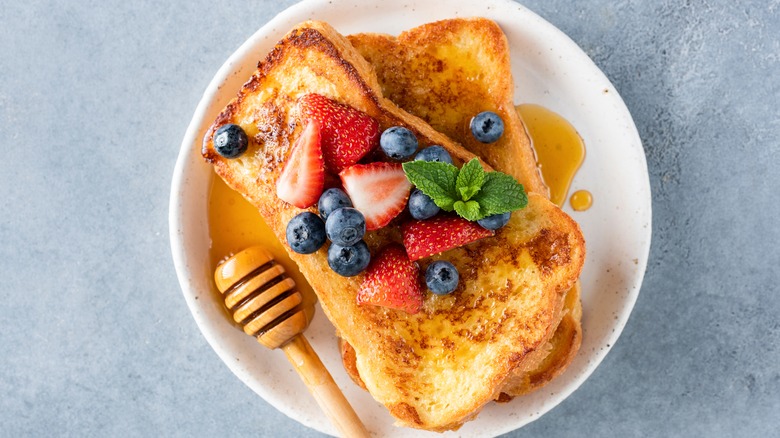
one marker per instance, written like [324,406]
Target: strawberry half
[439,234]
[303,176]
[392,281]
[347,134]
[379,190]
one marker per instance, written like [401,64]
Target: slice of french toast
[445,72]
[437,368]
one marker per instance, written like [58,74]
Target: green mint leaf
[435,179]
[470,179]
[469,210]
[500,193]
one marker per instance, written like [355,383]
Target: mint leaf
[500,193]
[435,179]
[470,179]
[469,210]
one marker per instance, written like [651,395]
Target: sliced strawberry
[392,281]
[303,176]
[438,234]
[347,134]
[379,190]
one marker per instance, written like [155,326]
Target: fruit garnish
[392,281]
[305,233]
[230,141]
[487,127]
[303,177]
[379,190]
[495,221]
[439,234]
[398,143]
[434,153]
[348,261]
[470,191]
[441,277]
[345,226]
[421,206]
[347,133]
[331,200]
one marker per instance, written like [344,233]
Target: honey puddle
[235,224]
[560,152]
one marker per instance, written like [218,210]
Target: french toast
[445,72]
[437,368]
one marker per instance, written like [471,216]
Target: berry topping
[230,141]
[421,206]
[303,176]
[331,200]
[487,127]
[441,277]
[439,234]
[379,190]
[347,134]
[391,281]
[305,233]
[348,261]
[495,221]
[345,226]
[398,143]
[434,153]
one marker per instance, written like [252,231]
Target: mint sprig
[470,191]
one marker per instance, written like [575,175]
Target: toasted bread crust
[427,72]
[512,286]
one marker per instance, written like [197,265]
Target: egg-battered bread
[445,72]
[435,369]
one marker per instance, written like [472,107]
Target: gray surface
[96,338]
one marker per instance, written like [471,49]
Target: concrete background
[96,339]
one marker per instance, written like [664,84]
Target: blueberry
[487,127]
[421,206]
[305,233]
[230,141]
[398,143]
[331,200]
[441,277]
[348,261]
[495,221]
[345,226]
[434,153]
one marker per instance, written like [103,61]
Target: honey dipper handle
[323,388]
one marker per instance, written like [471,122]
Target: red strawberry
[347,134]
[379,190]
[392,281]
[438,234]
[303,176]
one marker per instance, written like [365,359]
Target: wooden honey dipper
[264,300]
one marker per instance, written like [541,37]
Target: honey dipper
[264,300]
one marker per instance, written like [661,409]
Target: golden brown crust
[434,72]
[509,300]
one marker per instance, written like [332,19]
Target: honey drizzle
[235,224]
[560,150]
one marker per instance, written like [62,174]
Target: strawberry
[379,190]
[347,134]
[439,234]
[392,281]
[303,176]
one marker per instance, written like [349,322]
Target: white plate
[550,70]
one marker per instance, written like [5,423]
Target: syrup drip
[235,224]
[581,200]
[560,150]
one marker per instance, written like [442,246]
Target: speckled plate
[550,70]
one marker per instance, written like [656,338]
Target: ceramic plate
[549,69]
